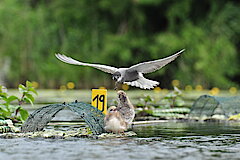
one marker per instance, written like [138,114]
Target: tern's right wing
[101,67]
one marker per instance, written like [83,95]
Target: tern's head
[112,109]
[116,76]
[122,96]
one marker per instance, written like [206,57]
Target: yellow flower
[63,87]
[176,83]
[198,88]
[157,89]
[234,117]
[188,88]
[70,85]
[35,84]
[125,87]
[214,91]
[233,90]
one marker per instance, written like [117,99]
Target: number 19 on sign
[99,99]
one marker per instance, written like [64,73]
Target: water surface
[168,140]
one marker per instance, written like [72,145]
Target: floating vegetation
[4,122]
[120,135]
[172,110]
[54,134]
[82,132]
[165,108]
[42,116]
[5,129]
[208,106]
[7,126]
[171,113]
[234,117]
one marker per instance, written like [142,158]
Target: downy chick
[114,122]
[125,108]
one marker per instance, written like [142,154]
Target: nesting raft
[207,106]
[42,116]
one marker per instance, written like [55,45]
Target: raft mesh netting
[210,105]
[42,116]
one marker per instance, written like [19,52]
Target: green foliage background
[120,33]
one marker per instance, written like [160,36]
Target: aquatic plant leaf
[22,88]
[148,99]
[29,98]
[3,96]
[11,98]
[33,90]
[23,113]
[179,102]
[28,84]
[4,112]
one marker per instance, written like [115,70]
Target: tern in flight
[133,75]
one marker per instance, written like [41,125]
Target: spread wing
[151,66]
[69,60]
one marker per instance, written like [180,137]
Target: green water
[178,129]
[168,140]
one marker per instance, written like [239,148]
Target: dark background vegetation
[119,33]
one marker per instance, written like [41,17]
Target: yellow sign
[99,99]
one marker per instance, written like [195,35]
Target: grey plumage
[131,76]
[125,108]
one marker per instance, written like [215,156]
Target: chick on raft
[114,122]
[125,108]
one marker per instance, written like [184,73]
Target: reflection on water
[170,140]
[173,129]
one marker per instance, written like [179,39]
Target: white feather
[143,83]
[104,68]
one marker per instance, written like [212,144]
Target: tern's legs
[116,86]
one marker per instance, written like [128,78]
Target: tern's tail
[143,83]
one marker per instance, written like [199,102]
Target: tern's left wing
[151,66]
